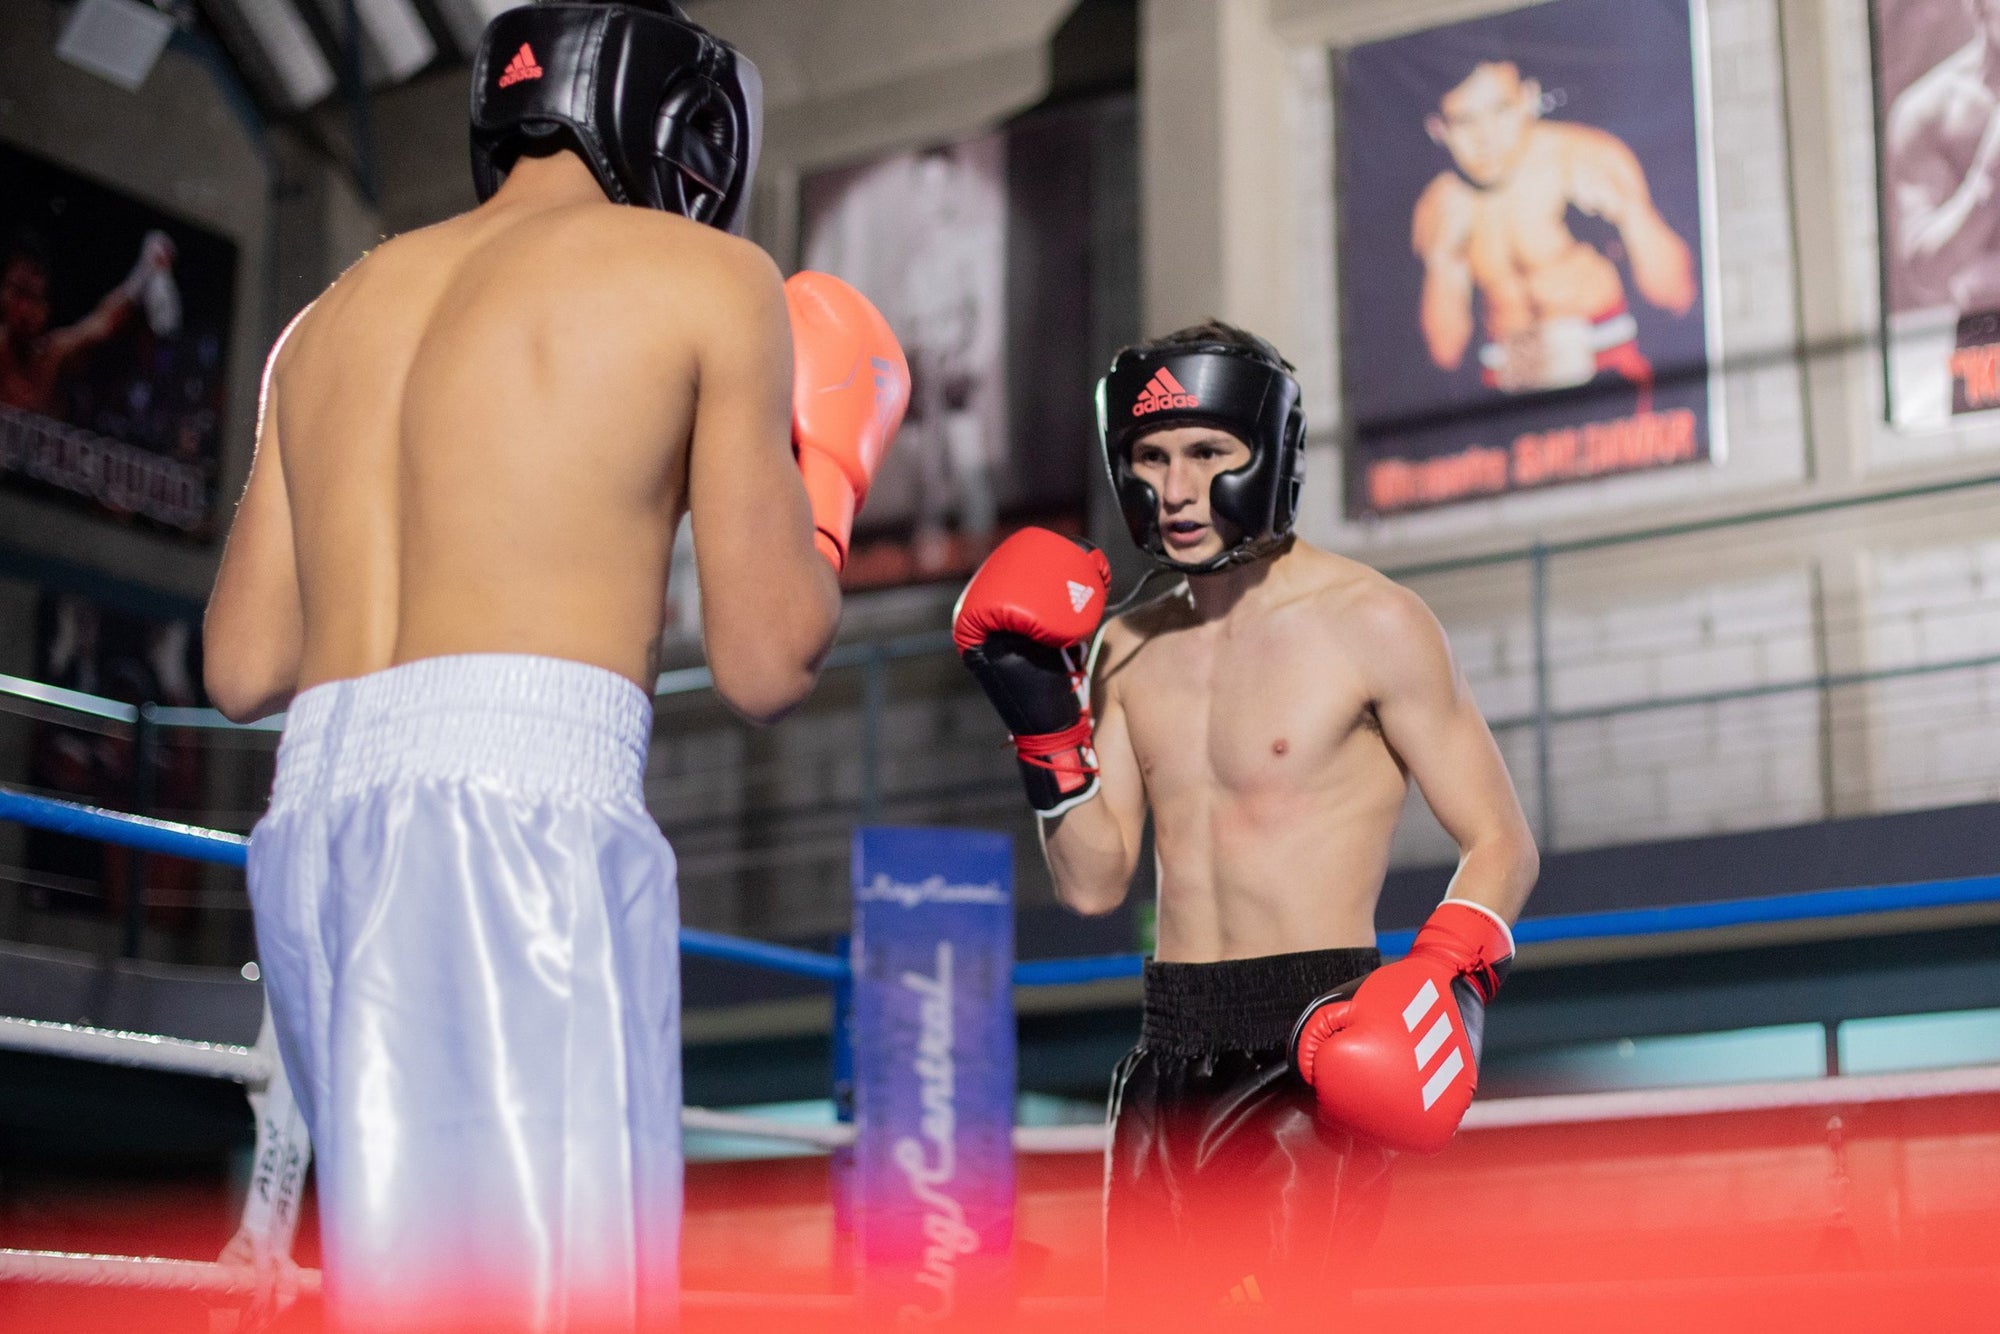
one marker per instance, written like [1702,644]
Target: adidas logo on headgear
[521,67]
[1163,391]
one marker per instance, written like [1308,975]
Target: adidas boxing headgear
[1236,388]
[666,115]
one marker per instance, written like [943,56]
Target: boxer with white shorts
[450,562]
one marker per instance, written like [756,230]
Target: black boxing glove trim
[1345,991]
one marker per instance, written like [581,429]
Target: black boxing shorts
[1224,1191]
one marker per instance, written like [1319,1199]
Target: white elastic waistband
[526,723]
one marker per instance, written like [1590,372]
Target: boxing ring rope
[150,835]
[255,1066]
[148,1273]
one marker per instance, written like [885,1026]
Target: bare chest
[1521,223]
[1246,715]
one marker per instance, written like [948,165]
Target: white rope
[204,1277]
[150,1051]
[1492,1114]
[1088,1138]
[705,1121]
[1636,1104]
[1640,1104]
[249,1066]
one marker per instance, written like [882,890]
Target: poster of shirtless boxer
[977,252]
[1521,253]
[114,337]
[1937,88]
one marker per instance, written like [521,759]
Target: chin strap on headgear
[1235,389]
[666,115]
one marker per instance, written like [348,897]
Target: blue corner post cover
[933,1072]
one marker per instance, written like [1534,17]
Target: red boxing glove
[1023,626]
[850,384]
[1395,1057]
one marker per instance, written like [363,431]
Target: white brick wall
[1936,737]
[1694,769]
[1660,772]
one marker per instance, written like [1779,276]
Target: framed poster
[114,334]
[1937,101]
[1522,232]
[980,254]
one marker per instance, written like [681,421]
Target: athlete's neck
[548,182]
[1216,595]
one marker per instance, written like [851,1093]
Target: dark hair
[1467,66]
[1211,332]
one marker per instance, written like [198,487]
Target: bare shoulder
[1349,596]
[392,275]
[1584,142]
[1445,188]
[1439,209]
[699,258]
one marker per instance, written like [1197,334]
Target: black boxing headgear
[666,115]
[1208,383]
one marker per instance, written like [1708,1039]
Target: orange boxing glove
[850,384]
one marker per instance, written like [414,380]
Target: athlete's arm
[769,603]
[1430,720]
[1093,849]
[156,255]
[1607,180]
[1440,233]
[254,635]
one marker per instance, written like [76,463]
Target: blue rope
[783,958]
[132,831]
[210,845]
[1090,968]
[1820,903]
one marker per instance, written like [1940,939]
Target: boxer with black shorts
[1268,713]
[450,565]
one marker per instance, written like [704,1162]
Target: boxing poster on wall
[1937,101]
[1521,216]
[979,253]
[114,333]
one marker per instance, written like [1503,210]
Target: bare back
[485,436]
[1273,793]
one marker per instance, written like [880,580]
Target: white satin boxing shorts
[467,924]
